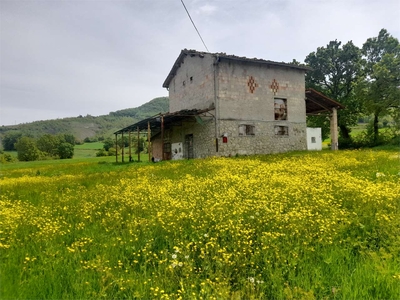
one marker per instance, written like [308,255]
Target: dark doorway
[189,146]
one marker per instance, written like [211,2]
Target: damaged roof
[224,56]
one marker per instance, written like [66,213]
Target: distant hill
[89,126]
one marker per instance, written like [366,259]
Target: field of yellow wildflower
[320,225]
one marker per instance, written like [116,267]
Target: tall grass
[288,226]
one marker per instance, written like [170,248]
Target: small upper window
[280,109]
[246,130]
[313,140]
[281,130]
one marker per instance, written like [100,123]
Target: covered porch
[319,104]
[156,125]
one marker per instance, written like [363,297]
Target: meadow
[301,225]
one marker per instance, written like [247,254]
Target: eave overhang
[223,56]
[168,118]
[317,103]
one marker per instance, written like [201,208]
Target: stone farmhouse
[223,105]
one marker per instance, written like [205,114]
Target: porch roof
[168,118]
[317,103]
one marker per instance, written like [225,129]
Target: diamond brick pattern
[252,84]
[274,87]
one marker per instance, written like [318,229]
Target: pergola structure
[157,124]
[316,104]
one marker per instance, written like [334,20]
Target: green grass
[87,150]
[89,146]
[298,225]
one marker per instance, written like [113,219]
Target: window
[246,130]
[280,109]
[281,130]
[313,140]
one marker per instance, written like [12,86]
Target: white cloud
[207,9]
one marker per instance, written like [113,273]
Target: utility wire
[194,26]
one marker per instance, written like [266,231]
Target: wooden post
[130,147]
[149,140]
[123,147]
[334,130]
[162,137]
[116,147]
[138,144]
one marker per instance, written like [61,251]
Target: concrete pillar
[334,130]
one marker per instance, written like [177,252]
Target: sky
[64,58]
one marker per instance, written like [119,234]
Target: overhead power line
[194,26]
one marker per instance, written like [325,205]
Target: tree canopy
[336,69]
[366,81]
[379,88]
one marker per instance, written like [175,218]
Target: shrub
[101,152]
[65,150]
[27,149]
[6,157]
[108,143]
[112,151]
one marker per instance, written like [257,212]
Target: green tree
[335,71]
[379,90]
[27,149]
[9,140]
[48,143]
[69,138]
[142,142]
[65,150]
[108,143]
[124,142]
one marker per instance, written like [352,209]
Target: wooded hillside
[83,127]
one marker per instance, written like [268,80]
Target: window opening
[280,109]
[246,130]
[281,130]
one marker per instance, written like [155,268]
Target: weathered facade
[223,105]
[245,96]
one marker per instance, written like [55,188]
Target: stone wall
[203,138]
[264,140]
